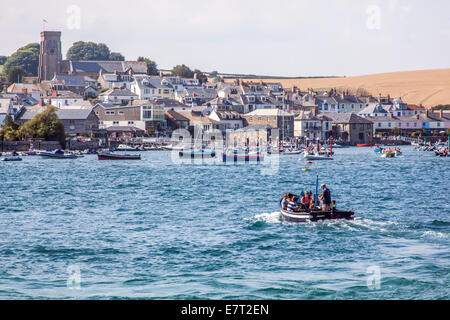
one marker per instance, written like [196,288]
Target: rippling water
[155,229]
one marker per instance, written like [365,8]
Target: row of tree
[44,126]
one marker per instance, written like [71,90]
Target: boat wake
[272,217]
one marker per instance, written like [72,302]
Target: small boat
[292,151]
[363,145]
[117,156]
[197,154]
[315,215]
[236,157]
[388,154]
[317,157]
[12,158]
[57,154]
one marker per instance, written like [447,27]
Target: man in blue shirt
[326,198]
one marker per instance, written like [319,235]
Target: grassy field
[427,87]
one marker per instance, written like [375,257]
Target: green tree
[10,129]
[46,126]
[116,56]
[3,59]
[27,58]
[200,76]
[88,51]
[152,67]
[15,74]
[182,71]
[396,131]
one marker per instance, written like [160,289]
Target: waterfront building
[76,121]
[311,126]
[274,117]
[351,128]
[6,108]
[229,119]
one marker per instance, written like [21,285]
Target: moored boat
[317,157]
[315,215]
[57,154]
[117,156]
[238,157]
[197,154]
[363,145]
[12,158]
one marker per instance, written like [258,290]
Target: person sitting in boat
[326,198]
[306,199]
[312,203]
[292,205]
[284,201]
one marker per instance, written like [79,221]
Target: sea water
[157,229]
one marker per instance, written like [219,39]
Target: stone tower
[50,56]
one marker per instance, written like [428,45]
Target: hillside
[427,87]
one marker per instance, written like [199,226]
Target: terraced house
[150,87]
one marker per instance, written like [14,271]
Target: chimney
[54,93]
[441,113]
[427,113]
[24,90]
[391,115]
[314,111]
[379,98]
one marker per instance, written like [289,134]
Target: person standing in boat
[326,198]
[306,199]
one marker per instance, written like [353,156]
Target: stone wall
[8,146]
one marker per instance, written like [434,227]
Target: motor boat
[315,215]
[117,156]
[57,154]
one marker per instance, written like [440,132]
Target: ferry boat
[117,156]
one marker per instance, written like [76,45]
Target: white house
[6,107]
[230,119]
[118,96]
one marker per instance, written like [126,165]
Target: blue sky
[290,38]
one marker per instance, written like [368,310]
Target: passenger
[291,206]
[333,204]
[306,199]
[326,198]
[312,203]
[284,201]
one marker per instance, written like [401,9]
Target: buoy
[309,162]
[305,169]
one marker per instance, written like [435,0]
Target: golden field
[426,87]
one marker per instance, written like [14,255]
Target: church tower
[50,56]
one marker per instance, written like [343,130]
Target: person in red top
[306,199]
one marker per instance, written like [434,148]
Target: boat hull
[315,215]
[196,155]
[363,145]
[104,156]
[49,155]
[242,158]
[12,159]
[314,157]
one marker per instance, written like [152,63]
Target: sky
[263,37]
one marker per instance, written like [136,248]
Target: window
[438,124]
[115,122]
[379,124]
[389,124]
[130,122]
[120,113]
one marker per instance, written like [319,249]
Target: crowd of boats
[439,148]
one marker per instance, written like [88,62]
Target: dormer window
[251,98]
[264,99]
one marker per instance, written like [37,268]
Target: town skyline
[278,44]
